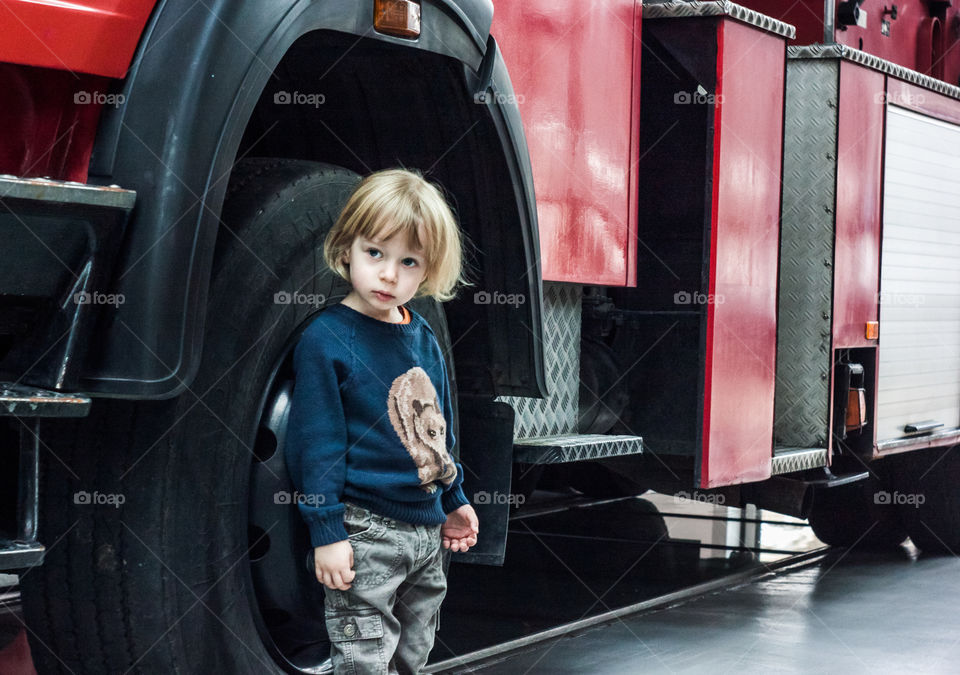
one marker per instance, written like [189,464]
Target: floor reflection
[567,560]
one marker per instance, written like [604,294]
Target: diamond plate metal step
[574,448]
[65,192]
[789,460]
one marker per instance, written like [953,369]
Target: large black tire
[927,494]
[172,580]
[853,516]
[603,391]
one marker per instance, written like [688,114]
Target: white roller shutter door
[919,370]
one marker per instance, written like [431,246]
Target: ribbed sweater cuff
[326,526]
[453,499]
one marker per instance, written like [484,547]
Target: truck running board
[27,405]
[789,460]
[574,448]
[17,400]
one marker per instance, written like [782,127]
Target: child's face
[384,274]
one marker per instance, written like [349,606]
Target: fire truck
[713,247]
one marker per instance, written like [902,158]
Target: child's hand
[333,564]
[461,529]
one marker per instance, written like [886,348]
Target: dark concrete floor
[580,562]
[850,613]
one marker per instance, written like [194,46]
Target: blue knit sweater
[369,423]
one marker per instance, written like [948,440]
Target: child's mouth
[383,296]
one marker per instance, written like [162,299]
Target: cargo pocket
[357,642]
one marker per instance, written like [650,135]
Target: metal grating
[802,399]
[557,414]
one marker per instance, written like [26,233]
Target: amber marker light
[873,330]
[856,409]
[397,17]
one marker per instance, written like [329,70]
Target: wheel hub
[288,599]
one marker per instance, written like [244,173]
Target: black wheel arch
[191,95]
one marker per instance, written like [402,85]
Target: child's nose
[388,272]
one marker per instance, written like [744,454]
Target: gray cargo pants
[385,623]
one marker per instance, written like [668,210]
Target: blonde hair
[400,201]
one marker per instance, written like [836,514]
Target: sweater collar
[376,324]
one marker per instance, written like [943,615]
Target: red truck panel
[923,101]
[917,39]
[804,15]
[45,131]
[741,329]
[573,74]
[88,36]
[859,161]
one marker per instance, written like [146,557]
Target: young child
[368,441]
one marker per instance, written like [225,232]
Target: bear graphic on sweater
[417,418]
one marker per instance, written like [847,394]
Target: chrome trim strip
[683,10]
[838,51]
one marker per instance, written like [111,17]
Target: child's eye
[373,252]
[410,262]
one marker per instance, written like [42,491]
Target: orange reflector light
[397,17]
[856,409]
[873,330]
